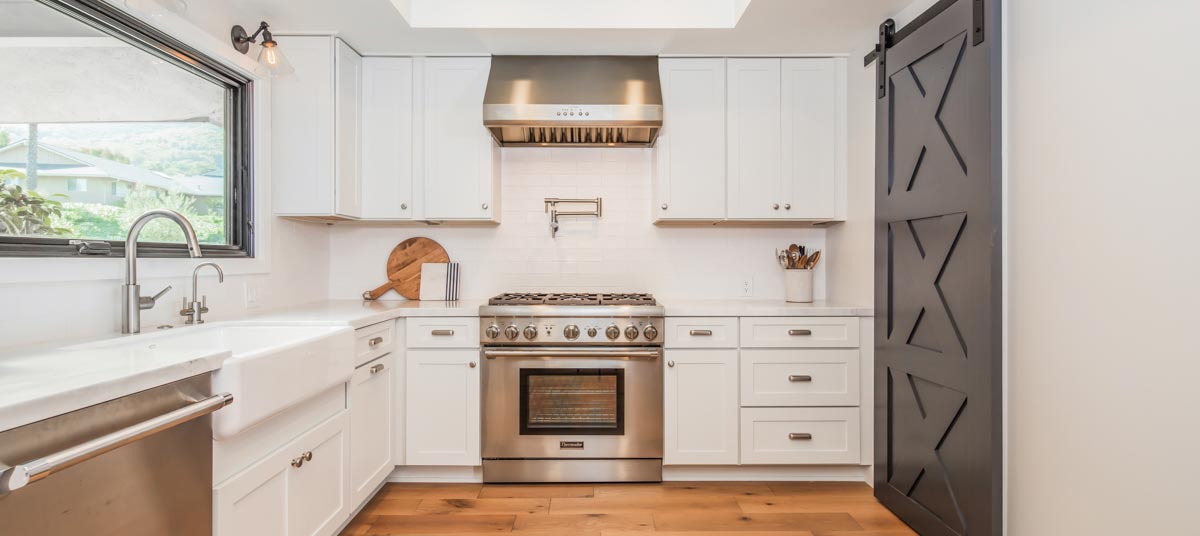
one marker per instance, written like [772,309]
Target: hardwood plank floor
[667,509]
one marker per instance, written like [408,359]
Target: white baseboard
[671,473]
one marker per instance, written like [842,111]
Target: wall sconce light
[271,62]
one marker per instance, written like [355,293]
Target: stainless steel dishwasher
[137,465]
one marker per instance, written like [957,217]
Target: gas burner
[572,298]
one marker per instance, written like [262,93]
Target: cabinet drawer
[813,332]
[797,436]
[443,332]
[701,333]
[373,341]
[799,377]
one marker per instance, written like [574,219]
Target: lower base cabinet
[700,412]
[299,490]
[442,407]
[370,398]
[799,436]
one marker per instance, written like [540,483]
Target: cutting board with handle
[404,267]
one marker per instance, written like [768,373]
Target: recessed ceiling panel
[572,14]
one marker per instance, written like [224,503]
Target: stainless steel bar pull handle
[799,436]
[799,332]
[700,333]
[21,475]
[375,341]
[443,333]
[376,369]
[602,353]
[799,378]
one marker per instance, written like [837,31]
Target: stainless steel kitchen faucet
[132,302]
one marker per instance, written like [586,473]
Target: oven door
[572,403]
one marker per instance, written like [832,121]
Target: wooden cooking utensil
[404,267]
[812,261]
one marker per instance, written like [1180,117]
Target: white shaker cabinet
[442,407]
[754,147]
[387,139]
[370,400]
[700,413]
[315,114]
[460,162]
[298,490]
[689,167]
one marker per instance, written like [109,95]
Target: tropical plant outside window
[96,131]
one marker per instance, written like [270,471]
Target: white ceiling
[767,27]
[571,13]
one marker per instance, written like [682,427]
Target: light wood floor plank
[583,523]
[439,524]
[691,489]
[385,505]
[721,533]
[483,506]
[432,491]
[824,489]
[535,491]
[633,505]
[719,521]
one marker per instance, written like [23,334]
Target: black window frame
[239,118]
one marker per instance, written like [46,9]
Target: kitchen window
[111,118]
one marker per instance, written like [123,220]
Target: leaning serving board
[404,267]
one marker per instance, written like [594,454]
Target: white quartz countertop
[39,383]
[751,307]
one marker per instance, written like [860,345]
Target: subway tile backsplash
[623,251]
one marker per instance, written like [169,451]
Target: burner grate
[573,298]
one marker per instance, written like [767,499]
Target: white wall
[622,251]
[46,300]
[1103,183]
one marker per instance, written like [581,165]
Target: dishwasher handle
[21,475]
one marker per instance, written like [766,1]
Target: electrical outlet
[747,287]
[252,295]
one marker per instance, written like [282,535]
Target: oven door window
[572,401]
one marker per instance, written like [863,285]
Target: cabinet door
[302,129]
[254,503]
[813,137]
[701,407]
[442,409]
[460,161]
[387,139]
[348,95]
[753,139]
[690,153]
[317,489]
[370,427]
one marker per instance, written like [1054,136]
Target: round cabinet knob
[787,206]
[403,206]
[492,331]
[511,332]
[664,206]
[571,332]
[650,333]
[485,206]
[775,206]
[592,331]
[473,364]
[631,332]
[612,332]
[671,364]
[531,332]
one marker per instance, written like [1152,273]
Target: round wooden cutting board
[404,267]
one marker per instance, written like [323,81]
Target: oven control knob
[531,332]
[511,332]
[592,331]
[571,332]
[492,331]
[650,333]
[612,332]
[631,332]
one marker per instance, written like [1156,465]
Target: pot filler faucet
[133,302]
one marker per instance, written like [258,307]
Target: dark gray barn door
[938,275]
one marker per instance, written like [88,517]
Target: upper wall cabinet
[461,163]
[787,138]
[689,170]
[387,139]
[315,115]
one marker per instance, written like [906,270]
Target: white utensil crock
[798,286]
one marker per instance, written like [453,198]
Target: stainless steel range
[572,388]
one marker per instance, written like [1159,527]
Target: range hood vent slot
[574,101]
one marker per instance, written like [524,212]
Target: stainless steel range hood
[573,101]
